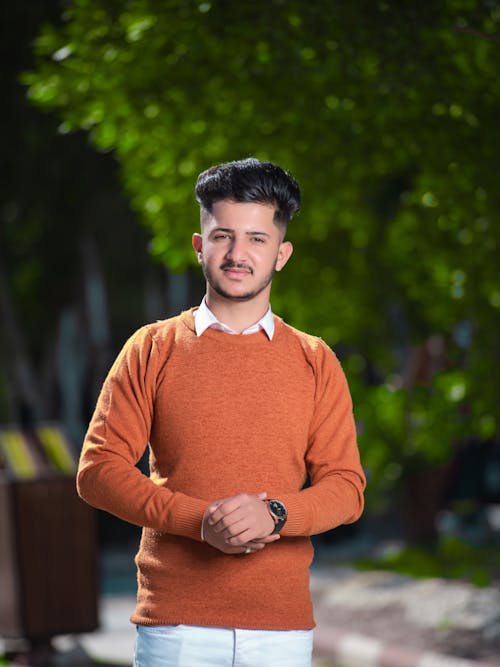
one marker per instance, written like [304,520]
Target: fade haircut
[250,181]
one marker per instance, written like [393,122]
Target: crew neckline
[231,339]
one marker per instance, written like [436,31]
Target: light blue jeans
[192,646]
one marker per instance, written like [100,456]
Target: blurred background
[387,115]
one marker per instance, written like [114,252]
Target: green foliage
[387,115]
[410,429]
[452,558]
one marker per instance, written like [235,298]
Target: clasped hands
[239,524]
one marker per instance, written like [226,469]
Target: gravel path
[434,615]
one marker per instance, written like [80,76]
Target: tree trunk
[422,500]
[25,397]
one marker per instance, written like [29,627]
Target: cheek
[213,257]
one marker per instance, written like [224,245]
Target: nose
[236,250]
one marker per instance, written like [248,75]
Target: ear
[284,254]
[197,245]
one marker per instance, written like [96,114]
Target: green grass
[451,558]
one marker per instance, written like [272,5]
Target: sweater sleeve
[335,495]
[116,439]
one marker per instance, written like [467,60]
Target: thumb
[213,506]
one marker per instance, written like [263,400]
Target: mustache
[235,265]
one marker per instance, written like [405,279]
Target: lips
[235,270]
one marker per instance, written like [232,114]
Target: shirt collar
[204,319]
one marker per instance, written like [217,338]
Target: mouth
[235,270]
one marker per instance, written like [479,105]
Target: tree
[385,112]
[60,210]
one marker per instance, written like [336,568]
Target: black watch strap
[279,513]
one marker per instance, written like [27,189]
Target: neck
[238,315]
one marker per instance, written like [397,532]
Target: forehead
[240,215]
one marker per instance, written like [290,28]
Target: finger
[244,512]
[256,546]
[213,507]
[242,532]
[219,521]
[232,524]
[224,508]
[231,551]
[244,537]
[241,524]
[227,505]
[253,546]
[266,540]
[251,550]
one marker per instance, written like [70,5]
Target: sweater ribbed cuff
[297,519]
[188,516]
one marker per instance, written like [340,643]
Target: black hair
[250,180]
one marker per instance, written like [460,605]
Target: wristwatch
[279,513]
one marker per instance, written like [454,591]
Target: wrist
[202,527]
[278,512]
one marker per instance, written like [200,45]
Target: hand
[234,525]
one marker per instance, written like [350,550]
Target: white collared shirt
[204,318]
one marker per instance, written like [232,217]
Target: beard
[246,296]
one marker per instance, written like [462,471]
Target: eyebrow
[229,230]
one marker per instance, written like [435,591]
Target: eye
[220,237]
[258,239]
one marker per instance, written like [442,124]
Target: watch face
[277,508]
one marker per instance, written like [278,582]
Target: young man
[238,409]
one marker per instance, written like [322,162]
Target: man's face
[239,249]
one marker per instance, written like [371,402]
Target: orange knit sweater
[223,414]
